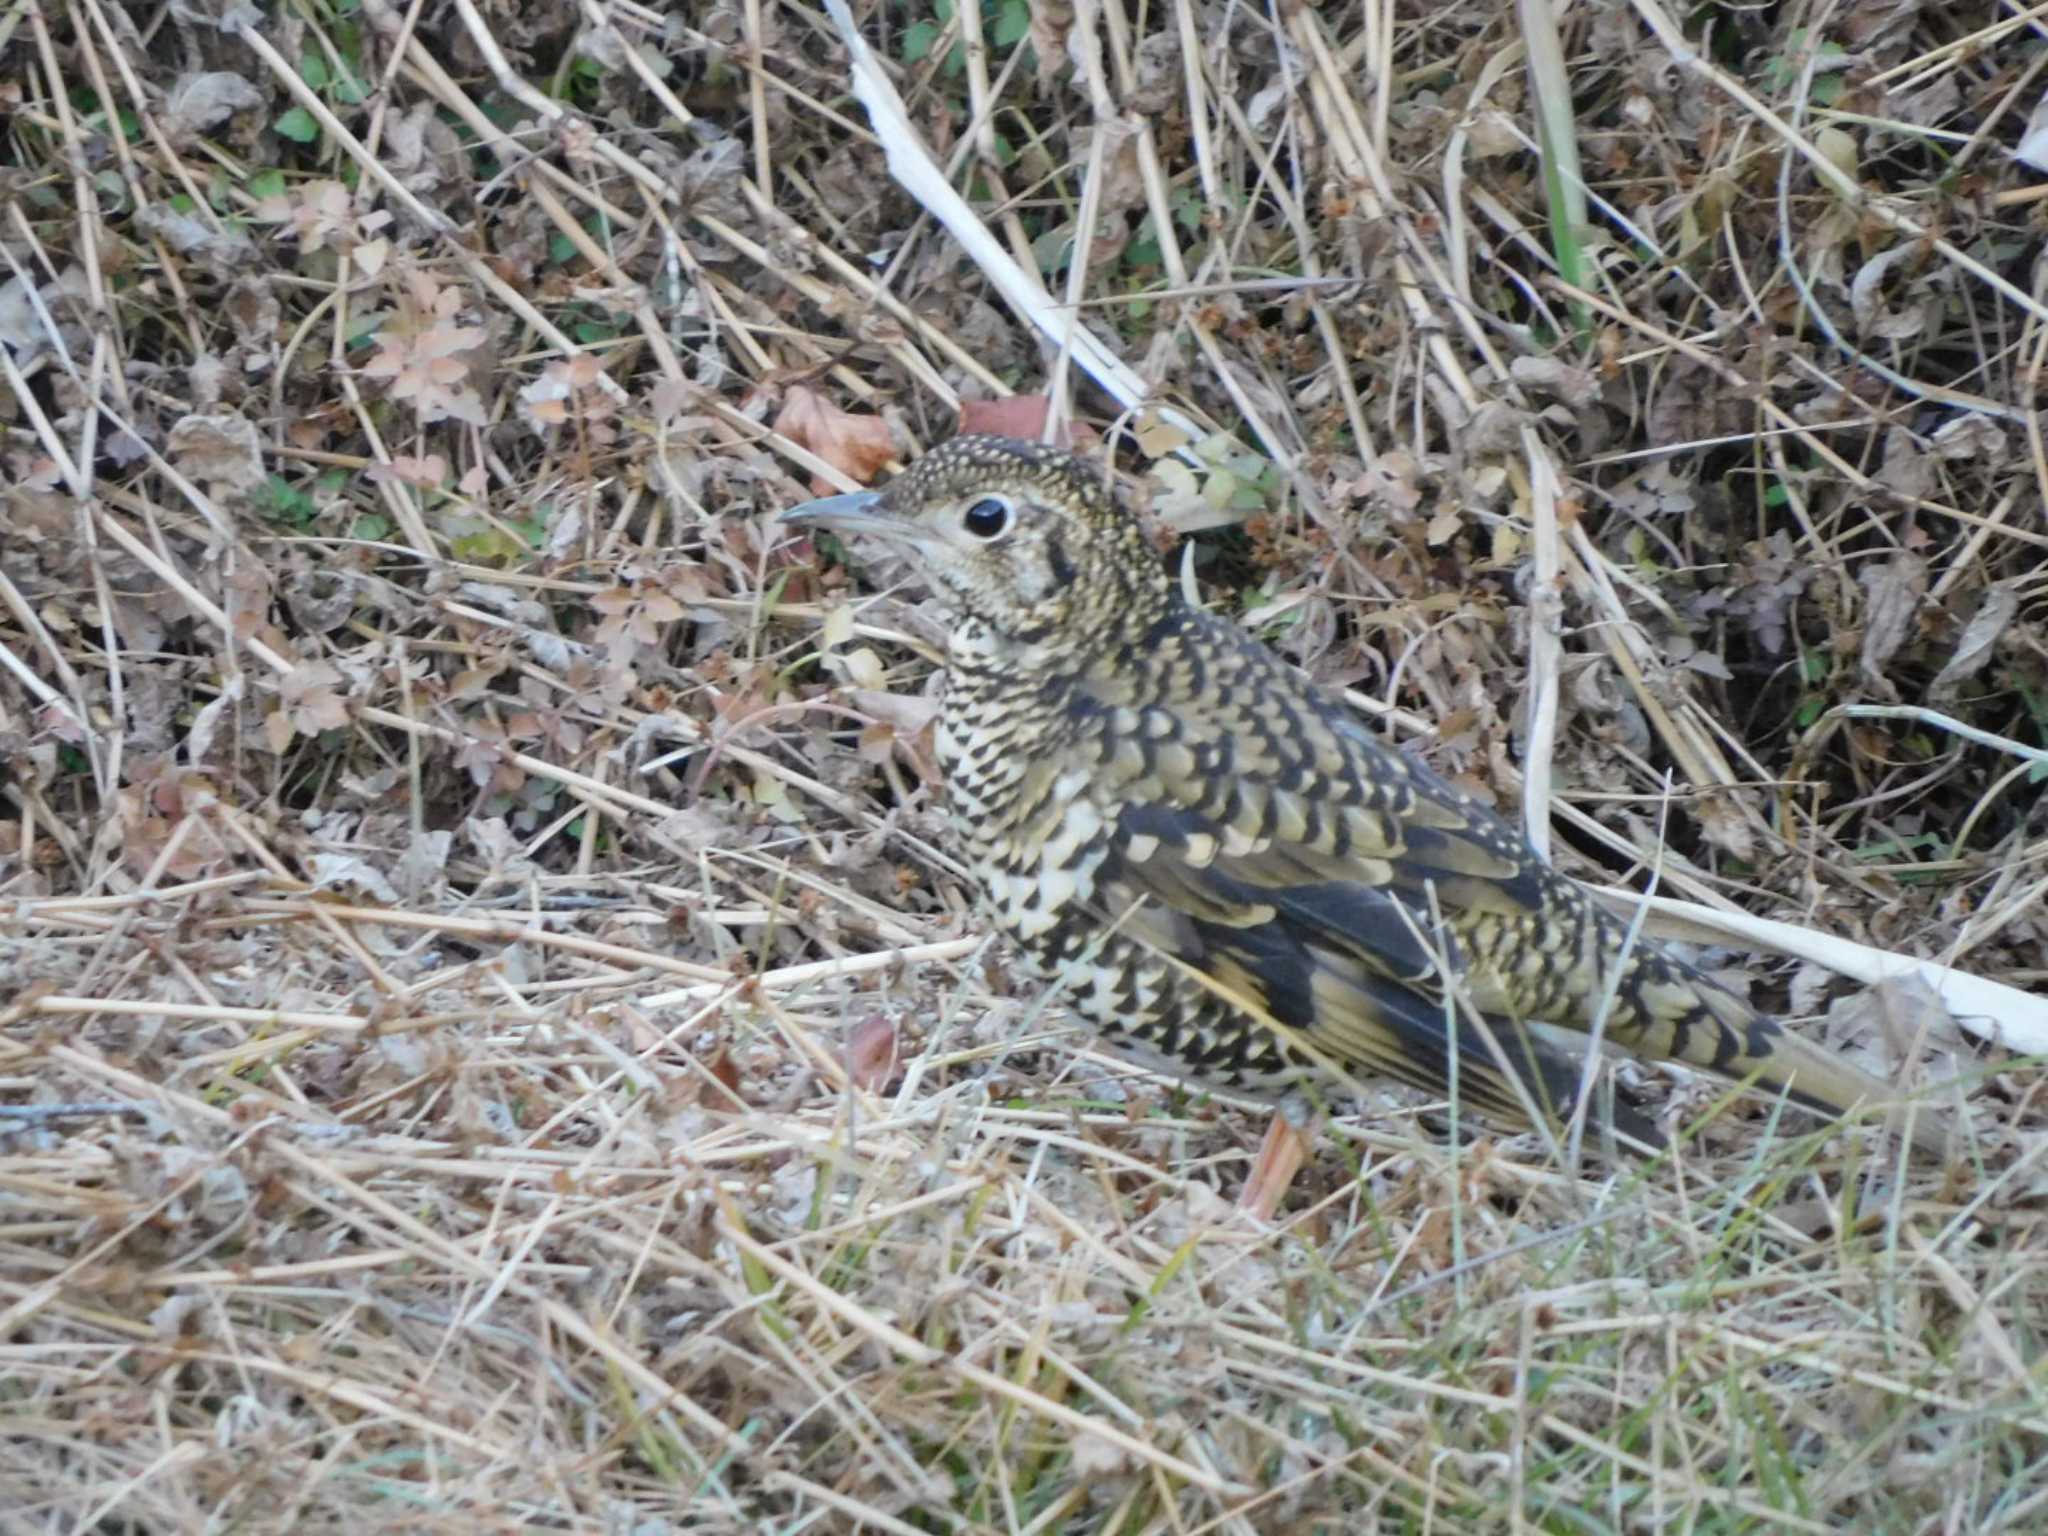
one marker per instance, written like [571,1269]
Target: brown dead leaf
[222,449]
[323,214]
[1979,638]
[199,101]
[908,713]
[1051,21]
[308,705]
[633,617]
[1896,1022]
[1021,416]
[159,804]
[857,446]
[725,1074]
[426,471]
[870,1053]
[570,389]
[1895,590]
[1722,823]
[421,351]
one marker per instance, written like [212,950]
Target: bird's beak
[855,512]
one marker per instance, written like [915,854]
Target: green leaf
[298,126]
[1013,23]
[918,39]
[286,503]
[1054,249]
[487,546]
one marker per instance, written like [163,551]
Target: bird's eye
[987,518]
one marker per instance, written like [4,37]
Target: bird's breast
[1018,795]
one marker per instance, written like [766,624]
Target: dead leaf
[1978,639]
[1895,591]
[199,101]
[421,351]
[859,447]
[907,713]
[426,472]
[1576,387]
[1867,296]
[2032,149]
[335,871]
[218,450]
[1722,823]
[1908,469]
[1021,416]
[1886,1027]
[870,1053]
[571,389]
[725,1074]
[309,705]
[1975,438]
[1051,21]
[1394,480]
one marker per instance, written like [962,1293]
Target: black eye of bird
[987,518]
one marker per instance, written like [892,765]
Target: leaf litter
[494,1034]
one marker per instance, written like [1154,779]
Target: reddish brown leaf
[870,1053]
[1014,416]
[726,1074]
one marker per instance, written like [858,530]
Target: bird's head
[1026,540]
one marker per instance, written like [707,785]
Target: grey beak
[854,512]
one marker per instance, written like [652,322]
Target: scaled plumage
[1229,877]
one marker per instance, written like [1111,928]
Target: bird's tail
[1672,1011]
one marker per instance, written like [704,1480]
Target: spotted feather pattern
[1227,876]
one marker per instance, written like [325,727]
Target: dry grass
[497,1039]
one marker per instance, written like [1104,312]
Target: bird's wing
[1336,999]
[1282,857]
[1329,940]
[1245,814]
[1336,902]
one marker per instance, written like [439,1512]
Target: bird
[1228,877]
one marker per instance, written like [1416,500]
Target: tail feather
[1681,1015]
[1822,1081]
